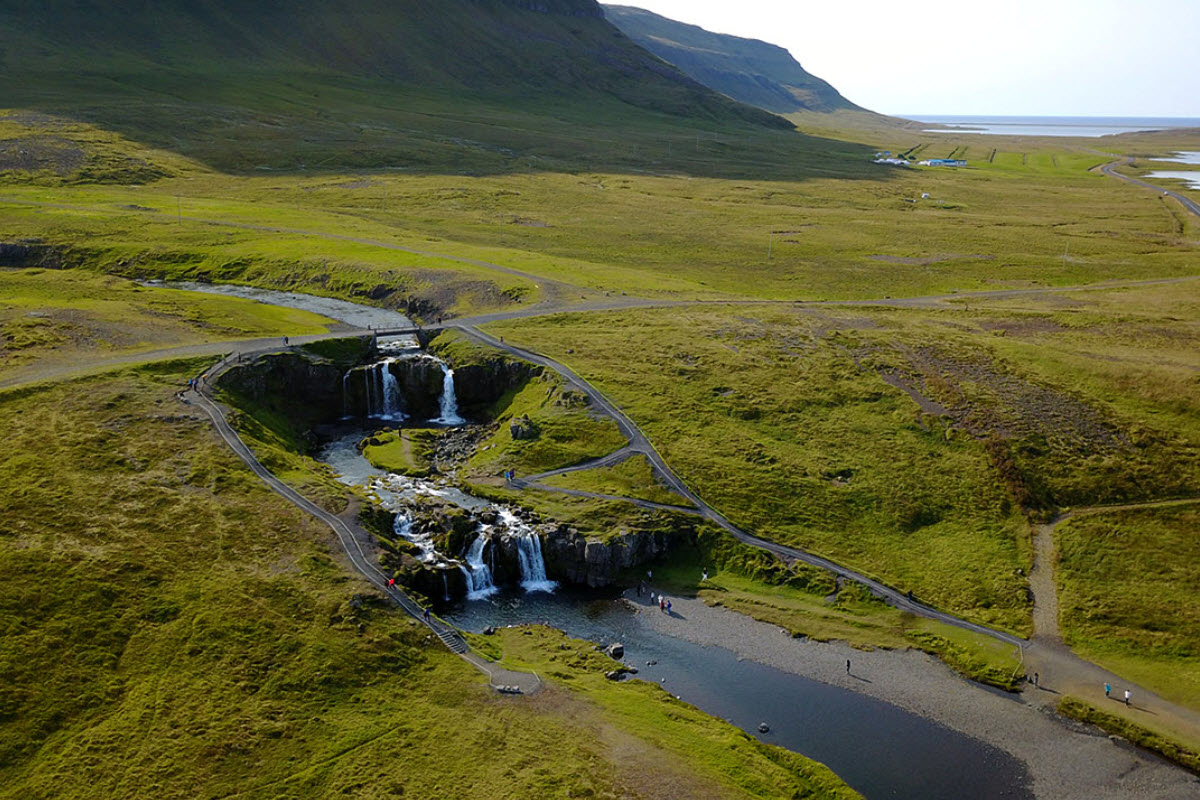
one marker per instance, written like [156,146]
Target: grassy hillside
[171,628]
[485,85]
[754,72]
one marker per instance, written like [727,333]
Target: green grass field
[803,423]
[1125,604]
[631,478]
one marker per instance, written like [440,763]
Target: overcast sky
[1017,57]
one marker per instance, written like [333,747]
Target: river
[880,749]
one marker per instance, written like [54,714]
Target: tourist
[668,607]
[662,603]
[847,666]
[1128,694]
[427,614]
[285,341]
[1108,690]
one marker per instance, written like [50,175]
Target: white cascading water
[449,403]
[390,390]
[529,554]
[369,391]
[403,528]
[345,396]
[381,393]
[476,572]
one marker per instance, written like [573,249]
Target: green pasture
[633,477]
[408,451]
[1038,216]
[1127,597]
[802,424]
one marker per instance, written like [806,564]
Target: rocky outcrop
[522,429]
[481,384]
[29,253]
[419,379]
[575,558]
[306,389]
[439,583]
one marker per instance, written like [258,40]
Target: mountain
[246,84]
[754,72]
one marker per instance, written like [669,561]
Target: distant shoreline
[1049,126]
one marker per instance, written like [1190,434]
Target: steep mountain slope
[748,70]
[185,74]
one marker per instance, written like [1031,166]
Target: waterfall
[533,566]
[449,403]
[445,587]
[479,577]
[529,554]
[346,396]
[369,392]
[390,392]
[403,527]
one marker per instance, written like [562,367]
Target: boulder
[522,429]
[616,651]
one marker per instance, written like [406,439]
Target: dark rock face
[572,557]
[29,254]
[438,583]
[305,388]
[480,385]
[419,380]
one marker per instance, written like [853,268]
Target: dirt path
[1041,583]
[42,372]
[1060,671]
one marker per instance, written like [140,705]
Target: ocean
[1056,126]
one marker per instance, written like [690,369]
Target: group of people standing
[664,604]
